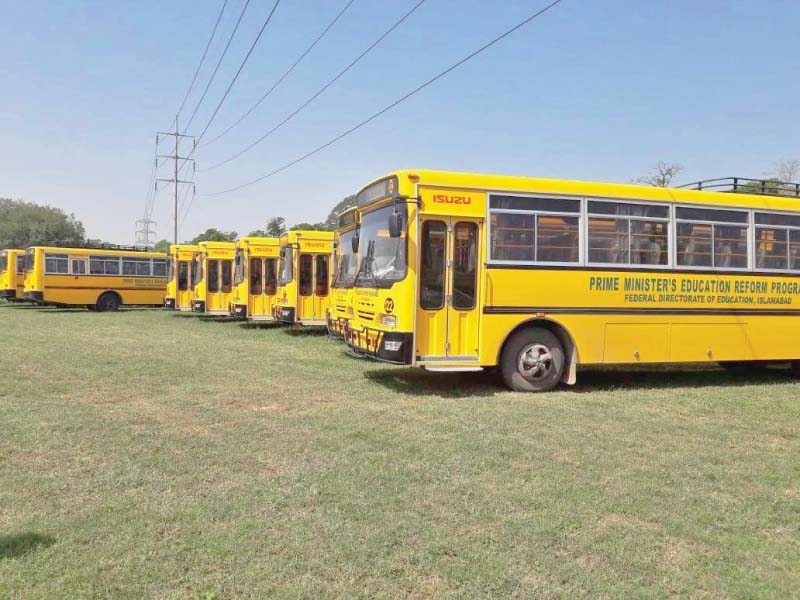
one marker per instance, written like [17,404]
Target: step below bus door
[313,287]
[448,314]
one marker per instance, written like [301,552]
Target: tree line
[24,224]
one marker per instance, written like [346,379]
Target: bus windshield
[347,261]
[29,255]
[383,258]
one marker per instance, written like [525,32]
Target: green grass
[266,463]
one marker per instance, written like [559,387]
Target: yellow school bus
[212,278]
[304,277]
[179,276]
[12,275]
[463,272]
[255,278]
[98,278]
[345,265]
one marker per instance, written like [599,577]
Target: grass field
[159,455]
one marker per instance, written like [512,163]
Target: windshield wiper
[366,263]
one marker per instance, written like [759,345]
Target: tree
[332,221]
[661,175]
[215,235]
[161,246]
[24,224]
[310,226]
[276,227]
[788,170]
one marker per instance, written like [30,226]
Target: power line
[219,62]
[241,67]
[235,77]
[284,76]
[203,58]
[188,206]
[320,91]
[393,104]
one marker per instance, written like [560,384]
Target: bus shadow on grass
[599,379]
[419,382]
[19,544]
[604,379]
[300,331]
[260,325]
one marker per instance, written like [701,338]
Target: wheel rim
[535,362]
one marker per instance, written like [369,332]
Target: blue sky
[594,90]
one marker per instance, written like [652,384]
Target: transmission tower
[177,159]
[145,231]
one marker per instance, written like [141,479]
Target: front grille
[366,315]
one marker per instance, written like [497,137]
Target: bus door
[183,292]
[313,284]
[219,284]
[448,313]
[255,288]
[270,285]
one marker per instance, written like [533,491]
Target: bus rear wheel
[108,302]
[532,361]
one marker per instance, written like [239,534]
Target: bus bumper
[284,314]
[198,306]
[238,311]
[8,294]
[388,346]
[37,297]
[336,326]
[169,303]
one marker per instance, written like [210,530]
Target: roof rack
[743,185]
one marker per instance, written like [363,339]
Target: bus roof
[269,241]
[295,234]
[506,183]
[98,251]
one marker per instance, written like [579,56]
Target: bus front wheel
[532,361]
[108,302]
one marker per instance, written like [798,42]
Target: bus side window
[465,261]
[306,274]
[227,275]
[79,266]
[271,277]
[255,276]
[321,289]
[213,276]
[183,275]
[431,280]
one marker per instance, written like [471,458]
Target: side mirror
[395,224]
[354,243]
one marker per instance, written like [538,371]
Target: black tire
[109,301]
[532,361]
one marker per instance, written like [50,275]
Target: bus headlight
[389,320]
